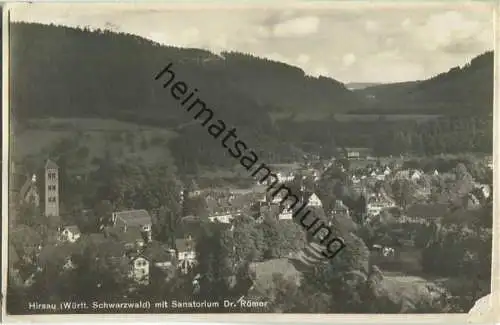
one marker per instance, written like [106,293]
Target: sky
[348,42]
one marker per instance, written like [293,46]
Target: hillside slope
[67,72]
[461,90]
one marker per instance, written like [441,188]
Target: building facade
[51,189]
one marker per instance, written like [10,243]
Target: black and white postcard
[258,159]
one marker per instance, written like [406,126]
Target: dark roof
[130,236]
[73,229]
[184,245]
[156,252]
[26,186]
[134,217]
[339,205]
[50,164]
[427,210]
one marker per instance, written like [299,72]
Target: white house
[186,254]
[139,269]
[378,203]
[416,175]
[314,201]
[286,214]
[69,234]
[486,190]
[221,217]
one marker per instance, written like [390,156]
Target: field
[316,116]
[122,140]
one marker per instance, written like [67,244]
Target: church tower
[51,189]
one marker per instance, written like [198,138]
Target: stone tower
[51,189]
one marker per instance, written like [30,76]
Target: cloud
[301,26]
[348,59]
[320,71]
[218,43]
[450,30]
[358,44]
[303,59]
[189,37]
[276,57]
[406,23]
[372,26]
[399,69]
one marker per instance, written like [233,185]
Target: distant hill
[360,85]
[461,90]
[67,72]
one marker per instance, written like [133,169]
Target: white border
[489,317]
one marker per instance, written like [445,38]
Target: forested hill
[62,71]
[461,90]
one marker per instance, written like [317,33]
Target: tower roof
[50,164]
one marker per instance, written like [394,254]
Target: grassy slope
[40,135]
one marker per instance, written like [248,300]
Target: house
[130,218]
[68,265]
[358,153]
[29,191]
[424,213]
[139,269]
[471,202]
[159,255]
[69,234]
[485,189]
[340,208]
[285,214]
[377,203]
[416,175]
[186,254]
[314,201]
[221,217]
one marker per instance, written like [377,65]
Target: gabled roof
[130,236]
[339,205]
[184,245]
[156,252]
[134,218]
[73,229]
[51,165]
[27,185]
[133,257]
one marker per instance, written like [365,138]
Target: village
[127,236]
